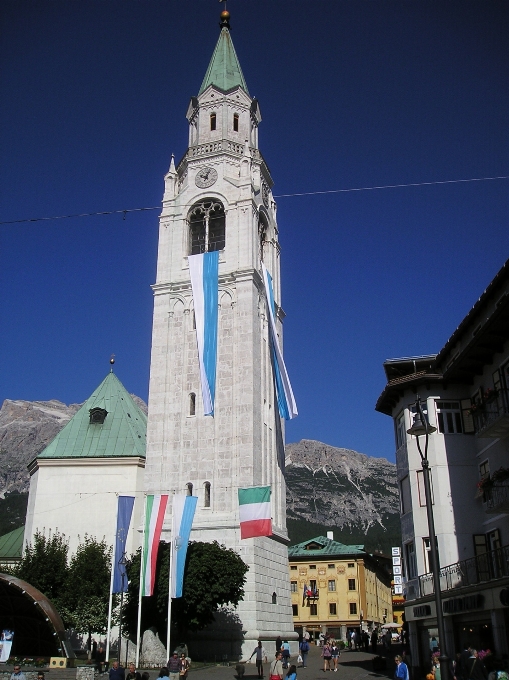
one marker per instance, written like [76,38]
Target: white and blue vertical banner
[204,271]
[124,513]
[181,522]
[285,399]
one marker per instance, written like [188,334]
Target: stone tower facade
[219,197]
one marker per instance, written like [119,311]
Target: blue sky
[352,94]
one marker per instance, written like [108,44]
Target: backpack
[304,646]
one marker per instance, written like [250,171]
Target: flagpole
[138,625]
[170,586]
[111,595]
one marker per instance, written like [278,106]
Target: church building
[219,198]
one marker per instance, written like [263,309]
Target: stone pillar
[500,632]
[343,633]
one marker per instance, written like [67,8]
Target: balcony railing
[497,498]
[491,418]
[486,567]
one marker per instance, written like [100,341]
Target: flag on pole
[285,399]
[124,513]
[204,269]
[154,518]
[181,523]
[254,512]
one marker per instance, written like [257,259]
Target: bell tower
[219,198]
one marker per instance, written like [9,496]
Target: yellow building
[336,587]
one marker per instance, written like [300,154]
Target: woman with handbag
[276,668]
[183,666]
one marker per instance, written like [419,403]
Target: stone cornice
[131,461]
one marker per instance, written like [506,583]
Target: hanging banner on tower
[204,270]
[254,512]
[285,399]
[154,518]
[181,523]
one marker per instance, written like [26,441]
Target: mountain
[328,488]
[337,489]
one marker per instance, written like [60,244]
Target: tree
[86,591]
[214,576]
[44,565]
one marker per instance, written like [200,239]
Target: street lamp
[420,427]
[121,563]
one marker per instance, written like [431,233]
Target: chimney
[330,535]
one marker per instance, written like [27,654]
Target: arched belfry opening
[206,226]
[263,229]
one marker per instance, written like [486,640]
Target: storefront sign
[463,604]
[423,610]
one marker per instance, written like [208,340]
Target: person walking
[292,673]
[304,651]
[133,673]
[335,653]
[401,669]
[276,668]
[261,654]
[17,674]
[285,648]
[116,672]
[174,666]
[476,668]
[365,640]
[183,666]
[278,643]
[327,654]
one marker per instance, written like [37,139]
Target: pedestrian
[145,676]
[116,672]
[304,651]
[388,640]
[261,654]
[349,638]
[327,654]
[164,672]
[476,668]
[285,648]
[278,643]
[174,666]
[401,669]
[374,641]
[133,673]
[306,635]
[365,639]
[276,668]
[17,674]
[335,653]
[100,658]
[292,673]
[183,666]
[462,664]
[40,675]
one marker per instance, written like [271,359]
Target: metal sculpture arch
[38,628]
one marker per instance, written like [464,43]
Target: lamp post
[121,563]
[420,427]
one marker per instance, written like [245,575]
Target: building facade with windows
[465,393]
[335,587]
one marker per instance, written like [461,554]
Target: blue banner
[124,512]
[182,521]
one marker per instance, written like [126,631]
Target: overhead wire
[125,211]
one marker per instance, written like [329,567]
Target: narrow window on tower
[192,404]
[212,121]
[189,489]
[236,122]
[206,502]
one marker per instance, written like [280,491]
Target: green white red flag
[254,512]
[154,518]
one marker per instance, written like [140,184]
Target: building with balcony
[465,391]
[336,587]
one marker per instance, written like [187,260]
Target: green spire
[224,69]
[122,434]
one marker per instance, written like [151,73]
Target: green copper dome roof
[122,434]
[324,547]
[224,69]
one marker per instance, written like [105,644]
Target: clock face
[205,177]
[265,195]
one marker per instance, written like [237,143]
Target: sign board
[398,590]
[396,552]
[6,637]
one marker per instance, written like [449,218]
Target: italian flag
[154,518]
[254,512]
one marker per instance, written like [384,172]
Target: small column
[500,632]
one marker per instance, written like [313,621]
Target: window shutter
[468,420]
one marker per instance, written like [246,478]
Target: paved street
[352,666]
